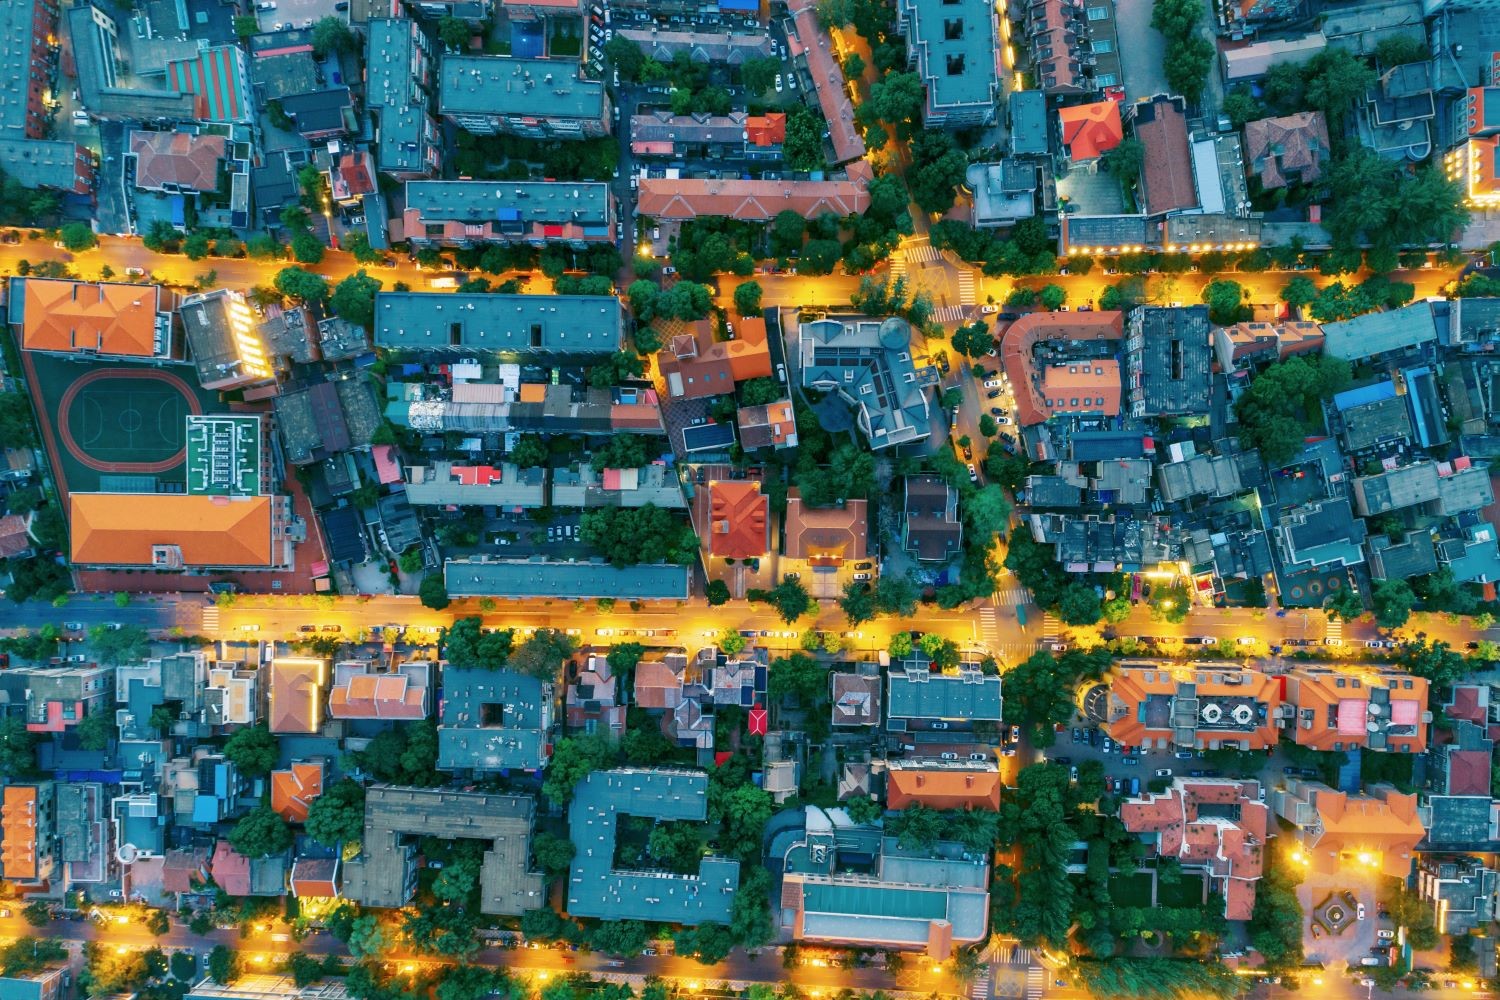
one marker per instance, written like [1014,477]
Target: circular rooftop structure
[895,333]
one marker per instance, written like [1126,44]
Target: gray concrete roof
[574,580]
[510,201]
[503,85]
[917,694]
[493,720]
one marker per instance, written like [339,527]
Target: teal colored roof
[518,324]
[504,85]
[917,694]
[875,901]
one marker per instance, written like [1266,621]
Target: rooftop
[505,85]
[1380,332]
[1167,181]
[916,693]
[1090,130]
[90,317]
[133,529]
[493,720]
[570,580]
[177,161]
[510,324]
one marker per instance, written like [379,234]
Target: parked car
[940,725]
[1183,755]
[73,626]
[1163,772]
[1015,734]
[992,383]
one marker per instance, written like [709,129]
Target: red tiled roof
[1275,146]
[177,158]
[657,685]
[1167,180]
[294,789]
[766,130]
[1468,772]
[827,536]
[1091,130]
[738,518]
[750,201]
[14,536]
[1021,337]
[231,870]
[828,80]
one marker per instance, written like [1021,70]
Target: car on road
[1359,911]
[1163,772]
[73,626]
[1059,647]
[949,755]
[973,473]
[1183,755]
[1330,641]
[1015,734]
[1198,640]
[307,628]
[996,411]
[968,453]
[249,628]
[1381,643]
[1008,752]
[1077,735]
[1247,640]
[1073,772]
[988,310]
[1109,745]
[332,628]
[1385,934]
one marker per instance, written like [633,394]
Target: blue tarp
[1350,398]
[103,777]
[748,6]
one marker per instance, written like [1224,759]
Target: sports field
[114,425]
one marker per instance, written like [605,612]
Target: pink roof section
[55,722]
[231,870]
[1351,717]
[387,467]
[612,479]
[1405,712]
[828,80]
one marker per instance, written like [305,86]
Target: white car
[1359,912]
[778,83]
[791,81]
[987,310]
[1163,772]
[1246,640]
[992,383]
[973,473]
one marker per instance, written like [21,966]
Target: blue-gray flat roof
[439,321]
[1379,332]
[917,694]
[502,202]
[392,91]
[503,85]
[578,581]
[956,50]
[596,888]
[1028,123]
[492,720]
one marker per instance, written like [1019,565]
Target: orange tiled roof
[1091,130]
[293,790]
[939,788]
[1333,706]
[1133,687]
[93,316]
[696,364]
[826,535]
[18,832]
[177,158]
[297,694]
[657,685]
[120,529]
[1083,387]
[738,515]
[1022,336]
[1385,823]
[749,201]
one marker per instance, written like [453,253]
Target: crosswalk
[1011,954]
[979,989]
[210,619]
[922,253]
[897,261]
[1050,627]
[950,314]
[1012,596]
[1036,981]
[966,285]
[1335,629]
[989,625]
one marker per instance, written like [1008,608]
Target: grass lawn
[1187,892]
[1130,890]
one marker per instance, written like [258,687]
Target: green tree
[354,298]
[938,167]
[78,236]
[790,599]
[900,646]
[1393,601]
[858,603]
[543,653]
[338,815]
[1345,604]
[1053,297]
[1225,300]
[433,592]
[625,56]
[95,731]
[1080,605]
[366,937]
[307,249]
[119,645]
[455,33]
[973,339]
[863,809]
[799,676]
[1126,160]
[304,286]
[717,593]
[246,25]
[573,759]
[253,750]
[747,298]
[332,35]
[802,144]
[261,833]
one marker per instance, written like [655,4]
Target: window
[1098,13]
[1074,401]
[1104,46]
[1107,80]
[953,28]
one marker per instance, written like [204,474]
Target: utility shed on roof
[598,888]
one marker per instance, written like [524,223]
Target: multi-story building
[1195,707]
[227,350]
[599,887]
[700,137]
[1073,45]
[536,98]
[48,163]
[466,213]
[28,842]
[917,698]
[1334,831]
[399,84]
[1168,359]
[680,199]
[1374,708]
[955,47]
[869,363]
[29,28]
[59,698]
[493,720]
[509,326]
[87,319]
[1464,892]
[1219,827]
[175,532]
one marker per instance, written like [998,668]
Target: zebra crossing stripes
[1335,628]
[922,253]
[966,285]
[1050,625]
[897,261]
[1010,954]
[1013,596]
[950,314]
[1036,981]
[210,622]
[980,988]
